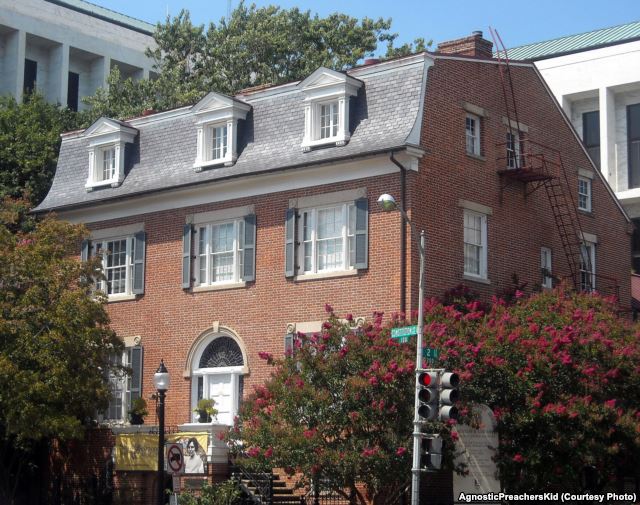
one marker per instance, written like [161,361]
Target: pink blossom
[369,451]
[518,458]
[388,377]
[373,381]
[349,317]
[309,433]
[519,294]
[328,308]
[454,435]
[327,325]
[268,453]
[344,351]
[253,452]
[610,404]
[265,355]
[400,451]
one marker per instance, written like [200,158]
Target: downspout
[403,235]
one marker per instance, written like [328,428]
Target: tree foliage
[560,371]
[55,346]
[29,144]
[254,47]
[339,408]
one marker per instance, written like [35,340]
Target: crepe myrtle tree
[337,409]
[561,372]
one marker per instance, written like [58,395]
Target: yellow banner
[139,451]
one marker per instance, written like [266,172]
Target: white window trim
[592,259]
[546,267]
[237,275]
[483,275]
[107,134]
[333,272]
[322,87]
[214,111]
[475,151]
[130,244]
[588,195]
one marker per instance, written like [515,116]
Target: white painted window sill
[329,141]
[325,275]
[111,182]
[199,165]
[473,278]
[219,287]
[120,298]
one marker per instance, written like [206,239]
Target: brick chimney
[474,45]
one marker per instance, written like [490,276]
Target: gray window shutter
[84,251]
[187,232]
[134,382]
[249,273]
[290,244]
[138,263]
[361,233]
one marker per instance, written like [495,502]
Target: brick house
[226,226]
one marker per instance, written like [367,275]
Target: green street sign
[430,354]
[403,334]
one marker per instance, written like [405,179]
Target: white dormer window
[326,96]
[217,119]
[107,140]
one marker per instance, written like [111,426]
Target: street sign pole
[415,470]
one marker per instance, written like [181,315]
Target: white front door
[221,391]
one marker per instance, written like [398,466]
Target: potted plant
[138,411]
[205,410]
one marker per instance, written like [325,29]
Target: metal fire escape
[538,166]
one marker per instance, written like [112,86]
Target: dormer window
[107,140]
[217,130]
[326,96]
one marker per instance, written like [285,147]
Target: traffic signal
[428,395]
[431,453]
[449,395]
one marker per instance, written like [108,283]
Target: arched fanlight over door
[218,375]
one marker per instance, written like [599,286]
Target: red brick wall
[169,319]
[520,224]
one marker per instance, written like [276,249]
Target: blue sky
[518,22]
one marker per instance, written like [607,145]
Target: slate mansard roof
[385,116]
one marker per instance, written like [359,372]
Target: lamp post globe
[387,202]
[161,378]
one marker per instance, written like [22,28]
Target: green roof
[576,43]
[106,15]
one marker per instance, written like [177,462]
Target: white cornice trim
[220,191]
[480,60]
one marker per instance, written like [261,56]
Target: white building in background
[66,48]
[596,78]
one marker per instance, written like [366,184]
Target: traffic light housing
[428,383]
[449,395]
[431,453]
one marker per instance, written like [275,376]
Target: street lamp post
[161,382]
[388,203]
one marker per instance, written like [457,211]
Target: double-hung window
[219,144]
[475,244]
[329,235]
[327,238]
[473,134]
[107,163]
[514,150]
[584,194]
[122,259]
[587,266]
[220,252]
[125,387]
[545,268]
[328,115]
[117,265]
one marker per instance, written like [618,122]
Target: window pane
[472,140]
[116,266]
[330,254]
[240,242]
[329,238]
[202,255]
[108,163]
[330,222]
[219,142]
[328,120]
[222,252]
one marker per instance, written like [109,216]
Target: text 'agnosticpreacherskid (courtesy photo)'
[569,497]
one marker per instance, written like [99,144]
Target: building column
[608,166]
[12,80]
[59,74]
